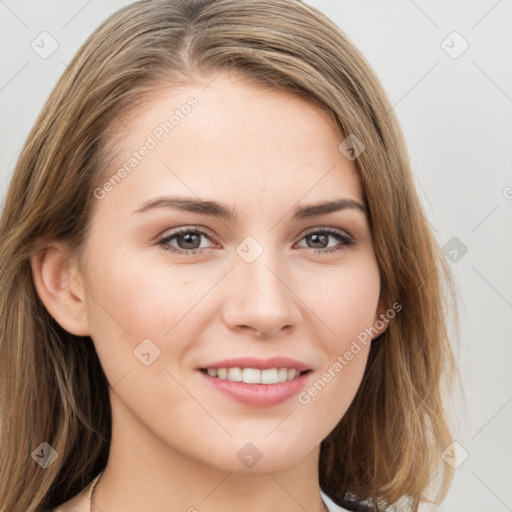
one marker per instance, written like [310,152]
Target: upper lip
[262,364]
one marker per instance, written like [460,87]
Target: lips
[257,382]
[261,364]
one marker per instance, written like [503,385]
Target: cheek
[346,305]
[133,301]
[344,300]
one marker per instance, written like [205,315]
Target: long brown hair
[387,447]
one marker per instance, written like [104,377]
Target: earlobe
[56,279]
[381,321]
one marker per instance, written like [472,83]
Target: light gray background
[456,116]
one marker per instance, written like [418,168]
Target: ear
[58,284]
[381,322]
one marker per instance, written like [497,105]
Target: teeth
[235,374]
[269,376]
[251,375]
[282,375]
[254,375]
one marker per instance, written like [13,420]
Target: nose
[261,297]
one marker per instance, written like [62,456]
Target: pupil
[188,240]
[315,238]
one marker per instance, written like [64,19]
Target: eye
[188,240]
[320,240]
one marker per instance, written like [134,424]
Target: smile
[254,375]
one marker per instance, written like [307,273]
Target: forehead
[232,139]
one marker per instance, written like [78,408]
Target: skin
[175,439]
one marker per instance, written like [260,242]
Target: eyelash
[346,240]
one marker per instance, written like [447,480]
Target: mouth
[255,375]
[257,382]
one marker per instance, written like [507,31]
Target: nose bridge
[261,294]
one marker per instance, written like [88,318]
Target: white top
[331,506]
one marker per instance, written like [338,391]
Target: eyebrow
[215,209]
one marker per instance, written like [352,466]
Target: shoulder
[330,504]
[346,504]
[79,503]
[67,507]
[63,508]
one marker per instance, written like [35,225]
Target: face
[224,328]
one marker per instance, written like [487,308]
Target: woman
[220,290]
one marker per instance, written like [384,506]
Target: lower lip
[258,395]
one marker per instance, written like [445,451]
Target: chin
[258,456]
